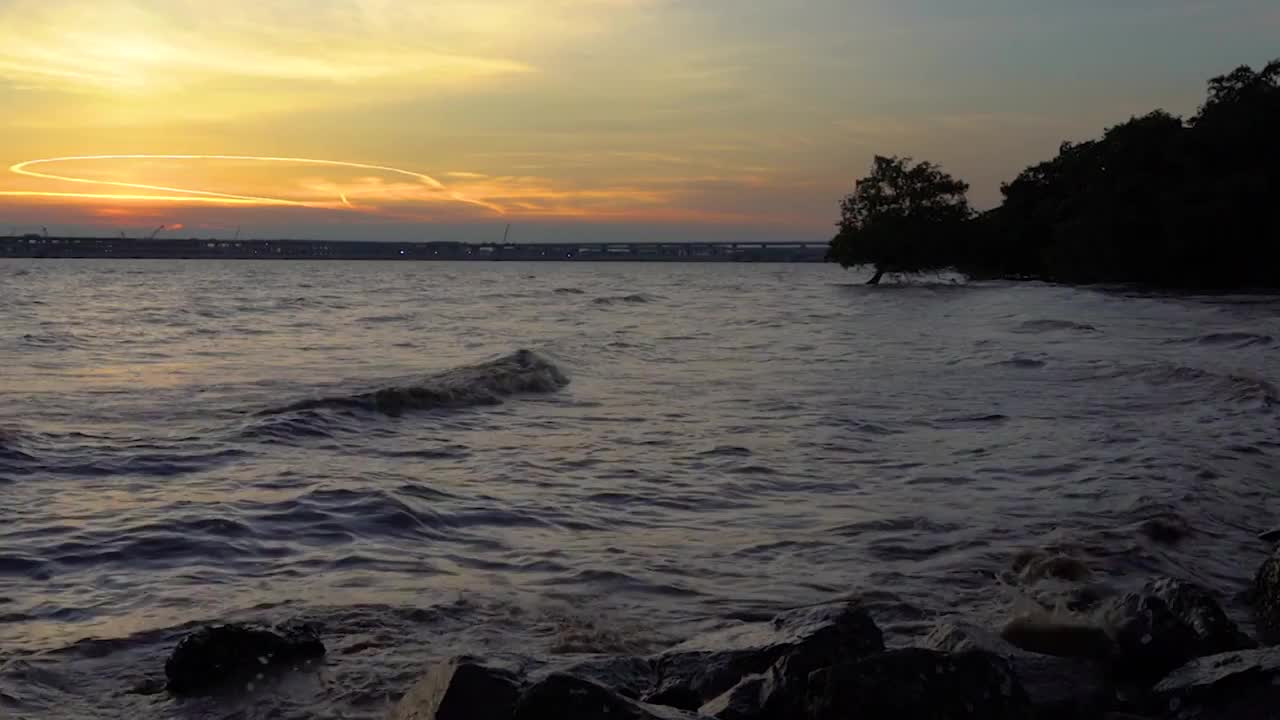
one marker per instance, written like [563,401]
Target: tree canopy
[903,217]
[1155,200]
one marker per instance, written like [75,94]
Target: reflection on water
[362,445]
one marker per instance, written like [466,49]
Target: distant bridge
[40,246]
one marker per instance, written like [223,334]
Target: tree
[903,217]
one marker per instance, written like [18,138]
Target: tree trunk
[875,279]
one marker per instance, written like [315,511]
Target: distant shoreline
[39,246]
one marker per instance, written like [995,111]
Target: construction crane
[155,232]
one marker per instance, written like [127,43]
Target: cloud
[169,55]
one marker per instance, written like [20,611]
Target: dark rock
[214,656]
[632,677]
[1199,610]
[1166,624]
[564,697]
[1266,599]
[1244,684]
[744,701]
[1166,529]
[1149,639]
[693,673]
[1033,566]
[1059,687]
[460,689]
[1047,635]
[918,684]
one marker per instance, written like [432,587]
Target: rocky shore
[1165,651]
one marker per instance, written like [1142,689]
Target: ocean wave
[569,291]
[633,299]
[487,383]
[1234,386]
[1228,339]
[1023,363]
[1049,325]
[53,340]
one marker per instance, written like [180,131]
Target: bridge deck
[40,246]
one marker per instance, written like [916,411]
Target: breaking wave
[487,383]
[1235,386]
[1046,325]
[1230,339]
[633,299]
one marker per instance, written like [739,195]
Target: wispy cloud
[706,111]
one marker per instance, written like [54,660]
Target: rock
[1045,634]
[1199,610]
[1243,684]
[695,672]
[1166,529]
[919,684]
[1034,566]
[631,677]
[1059,687]
[1166,624]
[565,697]
[744,701]
[1149,639]
[214,656]
[1266,599]
[460,689]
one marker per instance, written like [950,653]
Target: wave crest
[487,383]
[1049,325]
[1229,339]
[633,299]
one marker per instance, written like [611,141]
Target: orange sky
[386,118]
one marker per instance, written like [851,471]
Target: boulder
[697,671]
[1059,687]
[565,697]
[460,689]
[1047,634]
[1166,529]
[744,701]
[1166,624]
[919,684]
[215,656]
[1243,684]
[1198,609]
[632,677]
[1149,639]
[1266,599]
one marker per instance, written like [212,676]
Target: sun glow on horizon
[715,115]
[181,194]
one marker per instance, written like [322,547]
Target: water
[188,442]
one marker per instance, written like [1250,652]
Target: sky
[611,120]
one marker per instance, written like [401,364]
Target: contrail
[161,198]
[208,196]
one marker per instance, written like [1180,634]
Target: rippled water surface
[366,446]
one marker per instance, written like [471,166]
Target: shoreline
[1165,651]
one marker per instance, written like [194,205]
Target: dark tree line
[1156,200]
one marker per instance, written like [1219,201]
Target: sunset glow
[374,118]
[432,188]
